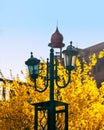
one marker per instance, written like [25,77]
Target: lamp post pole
[51,74]
[52,105]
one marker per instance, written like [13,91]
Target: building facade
[98,69]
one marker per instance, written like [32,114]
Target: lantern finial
[31,54]
[71,43]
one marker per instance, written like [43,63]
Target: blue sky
[27,25]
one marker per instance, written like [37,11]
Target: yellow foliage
[101,54]
[86,101]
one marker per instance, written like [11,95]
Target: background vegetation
[85,99]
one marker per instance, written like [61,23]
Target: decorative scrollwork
[43,120]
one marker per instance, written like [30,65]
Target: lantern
[70,55]
[33,66]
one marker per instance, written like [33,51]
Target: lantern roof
[56,40]
[71,50]
[32,61]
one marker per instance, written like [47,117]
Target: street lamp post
[49,108]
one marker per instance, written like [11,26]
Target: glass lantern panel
[65,60]
[68,60]
[36,69]
[31,68]
[73,60]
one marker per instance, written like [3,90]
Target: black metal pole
[51,113]
[51,74]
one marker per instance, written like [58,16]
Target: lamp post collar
[51,50]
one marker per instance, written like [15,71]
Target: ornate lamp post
[49,109]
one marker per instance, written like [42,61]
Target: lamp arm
[65,83]
[47,78]
[56,77]
[36,89]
